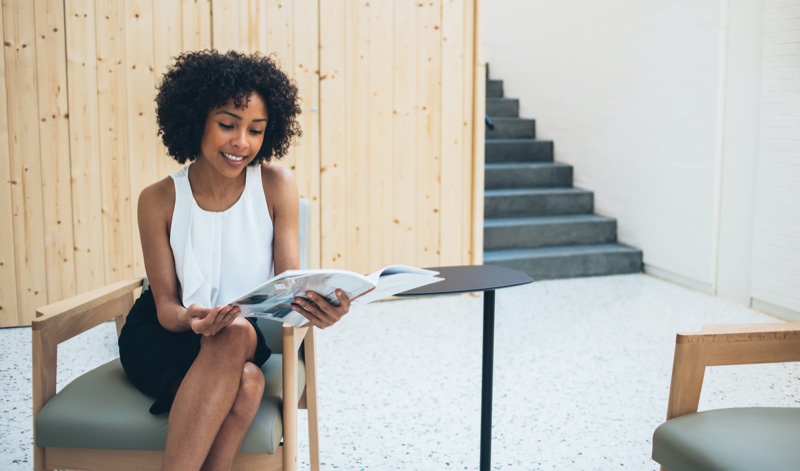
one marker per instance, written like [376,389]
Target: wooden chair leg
[688,370]
[292,339]
[311,399]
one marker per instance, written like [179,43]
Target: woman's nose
[239,140]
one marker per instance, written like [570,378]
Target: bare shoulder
[277,176]
[158,199]
[279,183]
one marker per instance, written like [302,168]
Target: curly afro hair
[201,81]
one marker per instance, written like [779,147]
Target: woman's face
[233,136]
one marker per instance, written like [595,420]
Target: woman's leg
[231,435]
[207,394]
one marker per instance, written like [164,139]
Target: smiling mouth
[232,158]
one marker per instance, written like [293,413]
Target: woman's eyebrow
[237,116]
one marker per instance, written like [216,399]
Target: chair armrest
[80,313]
[717,345]
[62,320]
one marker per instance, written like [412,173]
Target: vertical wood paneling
[280,24]
[392,115]
[168,35]
[254,26]
[467,75]
[84,148]
[8,276]
[24,156]
[54,148]
[357,164]
[225,25]
[478,65]
[429,169]
[453,158]
[196,25]
[118,222]
[306,75]
[333,128]
[142,150]
[280,44]
[381,155]
[404,166]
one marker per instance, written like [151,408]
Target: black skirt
[156,359]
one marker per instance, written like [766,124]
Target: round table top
[470,278]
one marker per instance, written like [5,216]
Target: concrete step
[512,128]
[547,263]
[518,150]
[528,175]
[527,202]
[494,89]
[502,107]
[510,233]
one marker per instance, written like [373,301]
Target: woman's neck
[212,190]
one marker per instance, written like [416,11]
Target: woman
[210,232]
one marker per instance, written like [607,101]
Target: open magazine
[274,298]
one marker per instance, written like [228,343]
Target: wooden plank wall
[397,119]
[391,155]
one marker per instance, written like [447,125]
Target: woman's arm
[156,203]
[283,199]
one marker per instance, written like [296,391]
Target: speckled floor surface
[581,378]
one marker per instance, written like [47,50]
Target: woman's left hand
[320,312]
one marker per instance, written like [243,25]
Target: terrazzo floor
[581,378]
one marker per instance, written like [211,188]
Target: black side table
[473,278]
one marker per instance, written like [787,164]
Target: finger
[311,317]
[334,312]
[216,317]
[344,301]
[311,311]
[229,314]
[324,309]
[200,324]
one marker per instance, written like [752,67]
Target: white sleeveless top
[221,255]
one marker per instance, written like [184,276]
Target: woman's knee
[252,379]
[251,389]
[239,335]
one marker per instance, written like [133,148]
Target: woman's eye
[256,132]
[225,126]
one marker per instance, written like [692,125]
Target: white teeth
[232,157]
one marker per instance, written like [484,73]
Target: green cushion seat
[737,439]
[102,409]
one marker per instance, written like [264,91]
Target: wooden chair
[101,422]
[745,438]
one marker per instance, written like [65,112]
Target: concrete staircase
[535,220]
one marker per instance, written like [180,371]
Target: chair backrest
[305,233]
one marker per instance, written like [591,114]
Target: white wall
[683,116]
[740,149]
[629,92]
[776,248]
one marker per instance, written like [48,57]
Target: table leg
[487,373]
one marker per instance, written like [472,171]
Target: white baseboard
[774,310]
[685,281]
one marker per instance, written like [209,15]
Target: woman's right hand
[209,321]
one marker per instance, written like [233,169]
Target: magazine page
[391,283]
[395,269]
[274,298]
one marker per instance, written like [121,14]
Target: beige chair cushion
[746,439]
[102,409]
